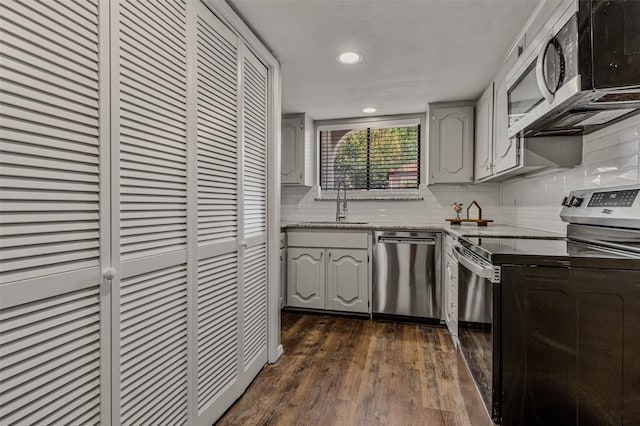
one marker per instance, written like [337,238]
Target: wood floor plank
[351,371]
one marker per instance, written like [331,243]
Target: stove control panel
[618,206]
[613,198]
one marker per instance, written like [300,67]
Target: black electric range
[538,317]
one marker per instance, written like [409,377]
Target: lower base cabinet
[451,289]
[335,279]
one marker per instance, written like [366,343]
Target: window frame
[361,123]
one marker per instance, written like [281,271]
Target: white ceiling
[415,51]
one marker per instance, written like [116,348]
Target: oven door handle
[479,270]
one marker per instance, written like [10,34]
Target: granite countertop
[466,230]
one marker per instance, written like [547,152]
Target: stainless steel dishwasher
[406,274]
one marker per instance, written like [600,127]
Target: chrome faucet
[341,214]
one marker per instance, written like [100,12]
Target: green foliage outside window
[390,149]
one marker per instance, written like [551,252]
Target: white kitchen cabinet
[347,280]
[306,277]
[451,130]
[514,156]
[283,269]
[297,149]
[484,135]
[328,270]
[495,152]
[451,289]
[505,153]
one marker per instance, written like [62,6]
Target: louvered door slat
[50,357]
[255,304]
[217,325]
[217,133]
[147,301]
[48,25]
[152,83]
[45,40]
[255,149]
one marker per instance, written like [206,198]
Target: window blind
[384,158]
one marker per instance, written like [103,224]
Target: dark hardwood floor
[350,371]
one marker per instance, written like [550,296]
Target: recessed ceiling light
[349,58]
[369,110]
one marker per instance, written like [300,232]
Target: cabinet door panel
[452,145]
[505,149]
[484,134]
[451,293]
[291,145]
[305,277]
[347,283]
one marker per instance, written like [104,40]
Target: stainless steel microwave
[580,74]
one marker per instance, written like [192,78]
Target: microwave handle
[542,85]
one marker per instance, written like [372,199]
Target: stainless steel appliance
[558,309]
[479,321]
[406,274]
[581,74]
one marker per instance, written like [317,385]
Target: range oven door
[479,326]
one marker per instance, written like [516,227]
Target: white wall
[610,158]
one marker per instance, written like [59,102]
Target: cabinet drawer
[328,239]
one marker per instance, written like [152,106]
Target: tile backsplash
[610,158]
[299,204]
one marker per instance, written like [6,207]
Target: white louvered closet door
[54,352]
[254,206]
[149,68]
[217,177]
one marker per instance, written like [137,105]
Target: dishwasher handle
[407,240]
[483,271]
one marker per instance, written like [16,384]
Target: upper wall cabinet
[297,142]
[484,134]
[450,143]
[497,156]
[495,152]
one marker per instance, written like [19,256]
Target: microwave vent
[619,97]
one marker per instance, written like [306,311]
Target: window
[379,157]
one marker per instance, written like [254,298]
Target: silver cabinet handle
[406,240]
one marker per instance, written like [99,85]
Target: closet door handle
[109,273]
